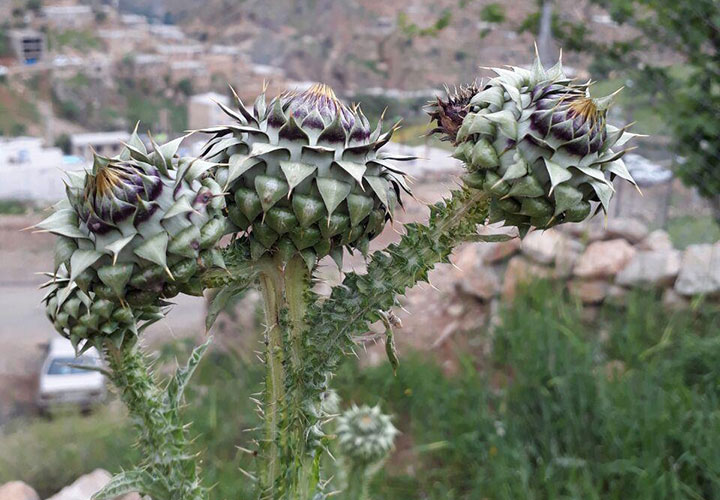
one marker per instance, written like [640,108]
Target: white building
[31,171]
[29,45]
[103,143]
[203,110]
[69,16]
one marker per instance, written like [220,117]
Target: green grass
[146,110]
[50,454]
[14,207]
[556,426]
[75,39]
[691,230]
[16,112]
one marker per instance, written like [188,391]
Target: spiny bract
[80,316]
[139,227]
[537,143]
[304,174]
[365,435]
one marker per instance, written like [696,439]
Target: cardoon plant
[294,179]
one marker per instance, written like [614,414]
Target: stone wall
[599,262]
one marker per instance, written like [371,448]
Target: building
[69,16]
[29,46]
[203,110]
[193,71]
[31,171]
[103,143]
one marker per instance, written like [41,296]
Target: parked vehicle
[62,382]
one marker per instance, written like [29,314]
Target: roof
[51,10]
[26,32]
[99,138]
[210,98]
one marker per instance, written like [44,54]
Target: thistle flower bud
[139,227]
[537,143]
[365,435]
[305,174]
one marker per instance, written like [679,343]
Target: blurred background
[579,363]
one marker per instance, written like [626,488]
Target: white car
[61,383]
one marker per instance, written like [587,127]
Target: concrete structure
[203,110]
[29,46]
[69,16]
[31,171]
[167,31]
[194,71]
[182,51]
[104,143]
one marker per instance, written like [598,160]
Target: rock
[614,369]
[674,301]
[495,252]
[603,259]
[472,278]
[699,270]
[89,484]
[616,295]
[587,231]
[521,270]
[589,292]
[628,229]
[566,257]
[542,246]
[17,490]
[657,240]
[654,267]
[590,313]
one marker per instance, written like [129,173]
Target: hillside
[405,44]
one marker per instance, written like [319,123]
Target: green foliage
[63,142]
[146,109]
[493,13]
[411,29]
[16,112]
[34,5]
[50,454]
[5,49]
[185,87]
[73,39]
[690,230]
[551,419]
[13,207]
[542,420]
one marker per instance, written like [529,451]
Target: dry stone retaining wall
[599,262]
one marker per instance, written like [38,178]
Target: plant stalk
[163,437]
[358,482]
[287,471]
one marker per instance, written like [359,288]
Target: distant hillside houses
[103,143]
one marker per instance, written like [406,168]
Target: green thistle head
[537,143]
[87,320]
[365,435]
[305,174]
[139,227]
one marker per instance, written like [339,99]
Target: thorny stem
[271,283]
[358,479]
[287,472]
[362,298]
[170,465]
